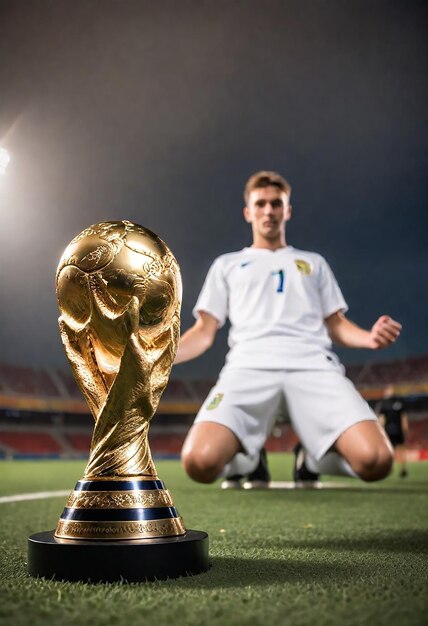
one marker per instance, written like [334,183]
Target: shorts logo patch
[215,401]
[303,266]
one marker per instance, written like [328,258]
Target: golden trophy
[119,294]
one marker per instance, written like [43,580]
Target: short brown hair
[266,179]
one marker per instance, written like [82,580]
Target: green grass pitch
[351,556]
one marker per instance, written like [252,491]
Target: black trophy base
[137,560]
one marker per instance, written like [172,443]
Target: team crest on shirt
[215,401]
[303,266]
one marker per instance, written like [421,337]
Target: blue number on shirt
[281,280]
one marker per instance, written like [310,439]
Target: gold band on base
[119,499]
[112,477]
[120,530]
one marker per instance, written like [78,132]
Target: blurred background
[158,113]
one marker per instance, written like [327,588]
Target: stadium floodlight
[4,160]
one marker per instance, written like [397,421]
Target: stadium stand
[26,380]
[80,442]
[43,413]
[409,376]
[41,443]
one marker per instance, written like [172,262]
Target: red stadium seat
[30,443]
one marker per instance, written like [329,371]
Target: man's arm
[405,423]
[345,333]
[198,338]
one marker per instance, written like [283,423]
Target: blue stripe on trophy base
[119,515]
[118,485]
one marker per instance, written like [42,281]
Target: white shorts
[322,404]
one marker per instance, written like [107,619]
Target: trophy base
[137,560]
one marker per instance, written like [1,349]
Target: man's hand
[383,333]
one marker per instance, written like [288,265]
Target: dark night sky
[157,112]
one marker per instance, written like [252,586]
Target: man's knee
[208,447]
[204,466]
[374,463]
[367,449]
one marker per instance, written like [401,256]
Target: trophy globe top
[108,270]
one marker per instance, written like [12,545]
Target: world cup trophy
[119,294]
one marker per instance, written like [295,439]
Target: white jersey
[276,302]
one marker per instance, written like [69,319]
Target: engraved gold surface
[120,530]
[119,294]
[119,499]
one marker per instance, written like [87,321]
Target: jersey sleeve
[213,298]
[332,299]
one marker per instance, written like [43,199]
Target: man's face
[389,391]
[267,210]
